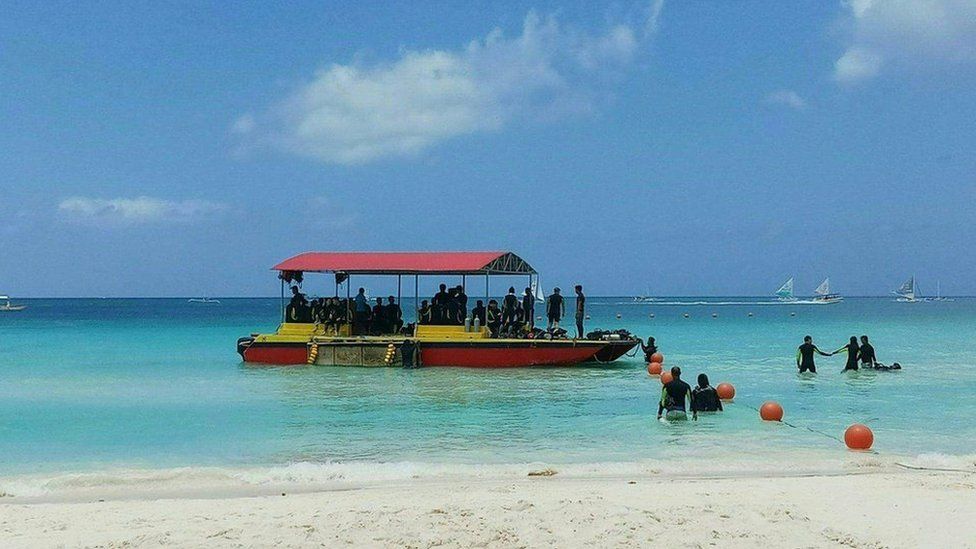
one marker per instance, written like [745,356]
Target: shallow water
[93,384]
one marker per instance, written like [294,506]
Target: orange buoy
[725,391]
[666,378]
[654,368]
[771,411]
[657,357]
[858,437]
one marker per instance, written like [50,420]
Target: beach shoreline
[883,508]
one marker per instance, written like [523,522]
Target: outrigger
[419,344]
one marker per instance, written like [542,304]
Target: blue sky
[683,148]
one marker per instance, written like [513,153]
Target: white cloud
[786,97]
[135,211]
[356,113]
[908,33]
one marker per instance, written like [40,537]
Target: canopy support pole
[416,299]
[282,302]
[398,289]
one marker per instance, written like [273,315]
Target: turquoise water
[87,385]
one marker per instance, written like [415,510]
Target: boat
[7,307]
[938,293]
[824,295]
[908,292]
[207,300]
[468,345]
[785,292]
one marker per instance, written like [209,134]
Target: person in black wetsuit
[673,396]
[868,358]
[439,306]
[704,397]
[804,355]
[580,310]
[509,307]
[462,304]
[424,313]
[479,312]
[297,309]
[493,316]
[528,307]
[393,315]
[377,317]
[853,353]
[555,309]
[649,348]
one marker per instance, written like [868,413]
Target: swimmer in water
[853,353]
[673,396]
[868,358]
[704,397]
[804,355]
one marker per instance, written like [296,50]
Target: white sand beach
[878,509]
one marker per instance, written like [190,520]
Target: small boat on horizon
[7,307]
[207,300]
[824,295]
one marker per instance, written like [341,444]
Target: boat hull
[614,349]
[469,354]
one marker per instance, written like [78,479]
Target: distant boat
[644,297]
[908,292]
[938,293]
[785,292]
[538,292]
[7,307]
[824,295]
[207,300]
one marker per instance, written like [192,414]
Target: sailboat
[938,293]
[908,292]
[785,292]
[538,292]
[824,295]
[208,300]
[7,307]
[644,297]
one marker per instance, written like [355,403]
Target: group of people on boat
[514,317]
[334,312]
[857,353]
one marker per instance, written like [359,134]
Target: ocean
[102,387]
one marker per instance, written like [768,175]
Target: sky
[660,147]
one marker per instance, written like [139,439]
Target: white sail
[824,287]
[786,290]
[538,292]
[907,290]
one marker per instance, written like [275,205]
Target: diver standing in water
[804,355]
[673,396]
[853,353]
[868,358]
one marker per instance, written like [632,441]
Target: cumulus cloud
[788,98]
[355,113]
[910,33]
[135,211]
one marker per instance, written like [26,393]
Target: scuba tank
[467,324]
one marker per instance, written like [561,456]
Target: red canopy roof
[407,263]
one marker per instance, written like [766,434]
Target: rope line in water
[811,429]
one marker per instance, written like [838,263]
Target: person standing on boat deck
[295,312]
[704,397]
[479,312]
[673,396]
[439,305]
[555,309]
[868,358]
[424,313]
[528,308]
[493,316]
[853,353]
[509,306]
[649,348]
[360,316]
[462,301]
[378,318]
[804,355]
[394,315]
[580,310]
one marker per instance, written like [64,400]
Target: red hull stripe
[500,355]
